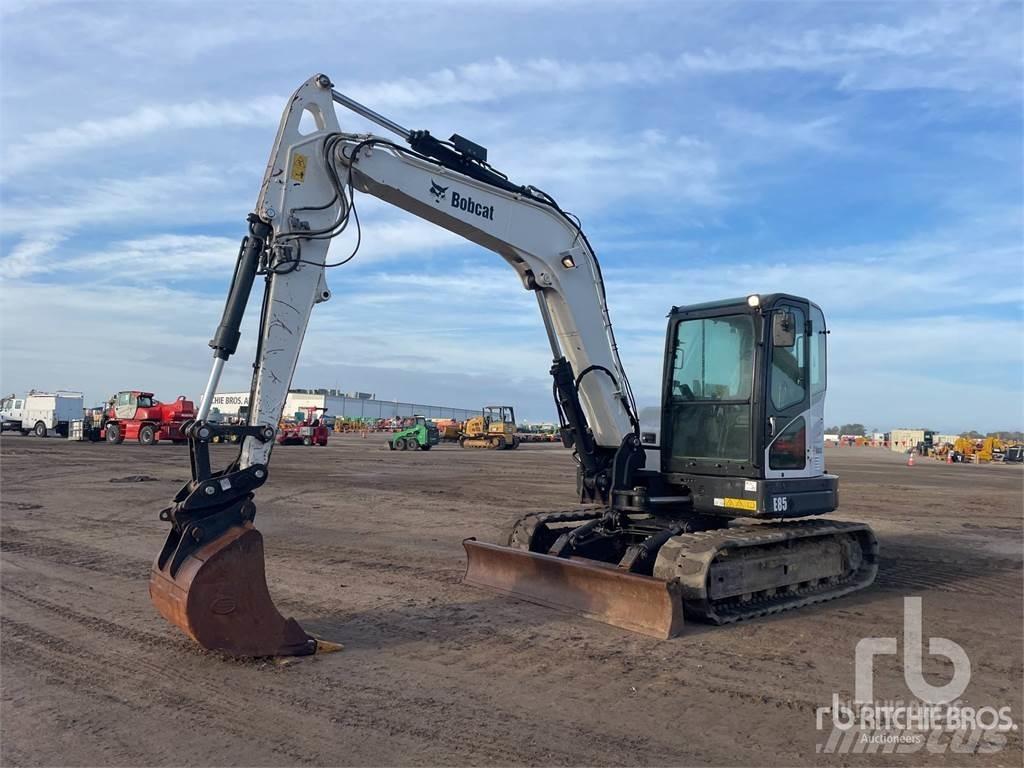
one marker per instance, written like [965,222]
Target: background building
[341,405]
[903,439]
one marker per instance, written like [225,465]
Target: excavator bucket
[218,596]
[596,591]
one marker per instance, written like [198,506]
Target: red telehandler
[310,431]
[136,415]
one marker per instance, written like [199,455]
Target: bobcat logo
[437,191]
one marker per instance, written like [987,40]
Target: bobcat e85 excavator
[657,536]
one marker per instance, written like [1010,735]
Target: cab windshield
[710,389]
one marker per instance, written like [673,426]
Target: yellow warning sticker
[747,504]
[298,167]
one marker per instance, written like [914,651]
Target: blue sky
[866,155]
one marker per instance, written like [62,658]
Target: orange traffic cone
[949,457]
[910,461]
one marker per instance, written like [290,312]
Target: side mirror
[783,329]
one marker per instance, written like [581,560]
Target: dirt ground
[363,547]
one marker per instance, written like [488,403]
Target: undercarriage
[700,567]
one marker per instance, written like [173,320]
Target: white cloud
[193,195]
[471,83]
[46,147]
[28,256]
[60,336]
[770,133]
[500,77]
[592,172]
[150,260]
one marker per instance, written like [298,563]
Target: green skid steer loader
[421,436]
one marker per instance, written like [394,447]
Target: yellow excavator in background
[979,450]
[494,428]
[963,449]
[992,449]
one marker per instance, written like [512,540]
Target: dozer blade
[603,593]
[218,596]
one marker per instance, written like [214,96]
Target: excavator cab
[743,407]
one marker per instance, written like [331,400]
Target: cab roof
[767,300]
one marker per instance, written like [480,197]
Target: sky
[865,155]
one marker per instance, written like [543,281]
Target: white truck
[40,413]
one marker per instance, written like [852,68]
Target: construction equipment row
[128,415]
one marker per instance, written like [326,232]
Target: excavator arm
[308,197]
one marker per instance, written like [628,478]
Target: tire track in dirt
[470,638]
[395,710]
[29,543]
[979,578]
[78,555]
[376,710]
[96,624]
[141,682]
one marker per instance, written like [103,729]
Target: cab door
[789,423]
[11,409]
[125,405]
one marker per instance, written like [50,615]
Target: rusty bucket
[218,596]
[596,591]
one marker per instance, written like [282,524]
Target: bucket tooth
[600,592]
[218,596]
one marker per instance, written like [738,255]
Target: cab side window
[819,345]
[788,381]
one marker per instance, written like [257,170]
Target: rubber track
[526,526]
[690,556]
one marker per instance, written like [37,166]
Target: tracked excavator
[714,517]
